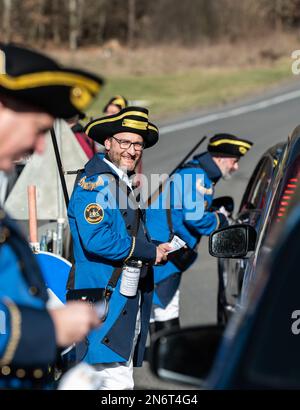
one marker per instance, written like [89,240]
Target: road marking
[231,113]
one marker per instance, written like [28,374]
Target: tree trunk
[131,23]
[278,15]
[101,21]
[6,21]
[55,23]
[73,30]
[41,24]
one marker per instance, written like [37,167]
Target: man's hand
[73,322]
[162,253]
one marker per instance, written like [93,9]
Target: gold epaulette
[90,186]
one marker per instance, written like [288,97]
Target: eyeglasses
[125,144]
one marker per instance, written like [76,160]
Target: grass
[168,95]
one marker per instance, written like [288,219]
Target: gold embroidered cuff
[15,318]
[131,250]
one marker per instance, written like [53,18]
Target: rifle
[159,190]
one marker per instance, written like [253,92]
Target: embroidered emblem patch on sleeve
[93,213]
[202,189]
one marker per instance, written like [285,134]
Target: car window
[256,191]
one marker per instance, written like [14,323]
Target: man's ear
[107,144]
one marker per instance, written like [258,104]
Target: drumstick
[32,213]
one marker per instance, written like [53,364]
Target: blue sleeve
[206,225]
[27,336]
[99,236]
[196,190]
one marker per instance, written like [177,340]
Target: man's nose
[131,150]
[236,166]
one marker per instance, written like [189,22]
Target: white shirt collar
[121,174]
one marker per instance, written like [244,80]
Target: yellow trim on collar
[46,78]
[233,142]
[119,117]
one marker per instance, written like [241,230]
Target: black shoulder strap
[71,277]
[169,211]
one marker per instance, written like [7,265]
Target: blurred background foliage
[76,23]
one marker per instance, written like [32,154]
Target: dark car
[254,209]
[259,348]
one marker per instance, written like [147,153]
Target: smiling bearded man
[110,238]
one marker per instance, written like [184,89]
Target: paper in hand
[176,243]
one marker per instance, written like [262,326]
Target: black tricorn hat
[118,100]
[228,145]
[130,119]
[36,79]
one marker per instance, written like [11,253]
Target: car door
[261,347]
[252,208]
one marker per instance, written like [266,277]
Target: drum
[56,271]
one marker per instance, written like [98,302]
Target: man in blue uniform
[34,90]
[165,221]
[108,232]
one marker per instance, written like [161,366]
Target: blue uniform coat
[204,173]
[27,335]
[102,242]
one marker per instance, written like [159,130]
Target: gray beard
[226,176]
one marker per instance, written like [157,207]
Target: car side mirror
[185,355]
[234,241]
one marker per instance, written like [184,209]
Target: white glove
[80,377]
[223,211]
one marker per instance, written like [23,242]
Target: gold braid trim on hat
[46,78]
[119,101]
[139,125]
[16,320]
[113,119]
[151,127]
[233,142]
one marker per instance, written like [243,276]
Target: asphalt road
[264,127]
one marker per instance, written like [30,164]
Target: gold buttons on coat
[20,373]
[5,370]
[33,291]
[38,373]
